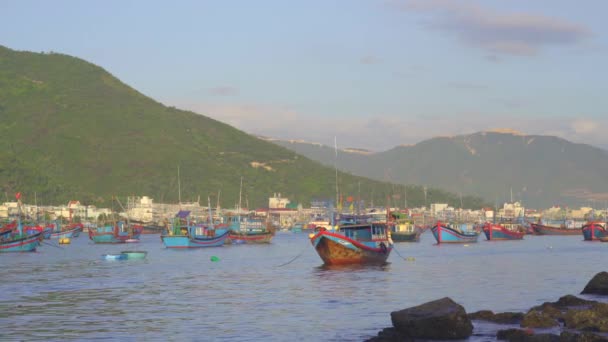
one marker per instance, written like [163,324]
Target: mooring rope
[50,244]
[294,258]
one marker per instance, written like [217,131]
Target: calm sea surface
[70,293]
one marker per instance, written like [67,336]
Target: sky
[369,74]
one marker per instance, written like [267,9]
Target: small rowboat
[132,255]
[119,256]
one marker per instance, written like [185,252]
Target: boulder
[519,335]
[500,318]
[390,335]
[439,319]
[597,285]
[567,336]
[565,302]
[594,318]
[538,319]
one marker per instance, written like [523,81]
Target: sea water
[274,292]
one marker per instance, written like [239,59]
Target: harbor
[251,292]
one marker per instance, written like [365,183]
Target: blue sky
[374,74]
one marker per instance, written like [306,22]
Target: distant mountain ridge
[539,170]
[71,130]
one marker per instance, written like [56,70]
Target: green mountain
[541,171]
[71,130]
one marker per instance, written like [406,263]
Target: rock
[439,319]
[567,336]
[565,302]
[390,335]
[519,335]
[500,318]
[538,319]
[594,318]
[597,285]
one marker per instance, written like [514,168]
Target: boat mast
[179,189]
[336,167]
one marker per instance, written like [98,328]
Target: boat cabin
[365,232]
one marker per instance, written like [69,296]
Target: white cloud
[496,32]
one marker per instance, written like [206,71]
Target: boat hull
[406,237]
[70,233]
[495,232]
[593,231]
[445,234]
[541,229]
[184,241]
[335,249]
[249,238]
[24,244]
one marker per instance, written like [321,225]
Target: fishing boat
[403,229]
[454,233]
[541,229]
[504,231]
[184,234]
[70,231]
[363,243]
[193,236]
[249,230]
[117,233]
[594,231]
[16,240]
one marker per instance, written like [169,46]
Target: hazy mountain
[539,170]
[71,130]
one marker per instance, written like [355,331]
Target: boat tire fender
[383,247]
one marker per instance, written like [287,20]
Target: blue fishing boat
[117,233]
[594,231]
[183,234]
[16,240]
[444,233]
[359,243]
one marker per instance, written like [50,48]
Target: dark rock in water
[597,285]
[439,319]
[564,302]
[567,336]
[390,335]
[594,318]
[519,335]
[538,319]
[500,318]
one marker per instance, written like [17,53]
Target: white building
[277,202]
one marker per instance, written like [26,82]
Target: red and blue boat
[445,233]
[505,231]
[360,243]
[16,240]
[594,231]
[70,231]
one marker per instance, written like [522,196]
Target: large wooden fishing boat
[364,243]
[594,231]
[541,229]
[14,239]
[504,231]
[454,233]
